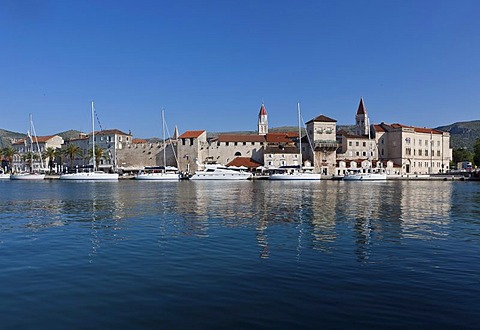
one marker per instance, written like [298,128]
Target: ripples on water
[239,254]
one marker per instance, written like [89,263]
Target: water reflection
[297,216]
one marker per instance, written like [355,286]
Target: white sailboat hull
[27,176]
[90,176]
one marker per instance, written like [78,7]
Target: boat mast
[299,134]
[93,138]
[164,142]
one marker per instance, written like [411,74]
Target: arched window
[238,153]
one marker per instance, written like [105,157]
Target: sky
[211,64]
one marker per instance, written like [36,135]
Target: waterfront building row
[394,148]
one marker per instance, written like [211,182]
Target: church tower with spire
[361,120]
[262,121]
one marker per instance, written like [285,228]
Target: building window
[364,154]
[426,152]
[253,143]
[183,142]
[419,142]
[382,152]
[191,141]
[364,144]
[226,143]
[357,153]
[244,143]
[438,153]
[236,143]
[357,144]
[238,154]
[419,152]
[349,143]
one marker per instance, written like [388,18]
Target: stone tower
[262,121]
[361,120]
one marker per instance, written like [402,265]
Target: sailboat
[367,174]
[94,175]
[296,172]
[159,173]
[31,174]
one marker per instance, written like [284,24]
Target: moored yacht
[159,173]
[94,175]
[220,172]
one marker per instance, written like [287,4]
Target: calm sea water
[262,254]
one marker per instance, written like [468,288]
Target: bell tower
[262,121]
[361,120]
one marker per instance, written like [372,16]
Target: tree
[461,155]
[59,153]
[99,154]
[50,154]
[476,153]
[71,151]
[8,153]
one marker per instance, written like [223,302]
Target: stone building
[414,150]
[321,144]
[111,141]
[37,145]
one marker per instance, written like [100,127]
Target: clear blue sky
[210,64]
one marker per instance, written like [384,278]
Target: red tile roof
[281,150]
[39,139]
[416,129]
[240,138]
[110,131]
[191,134]
[244,161]
[139,141]
[322,118]
[281,137]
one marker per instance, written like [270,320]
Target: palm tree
[72,150]
[59,153]
[99,154]
[8,153]
[28,159]
[50,154]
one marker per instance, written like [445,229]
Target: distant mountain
[463,134]
[70,134]
[7,136]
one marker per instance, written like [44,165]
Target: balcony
[327,145]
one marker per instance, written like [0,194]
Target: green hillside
[7,136]
[70,134]
[463,134]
